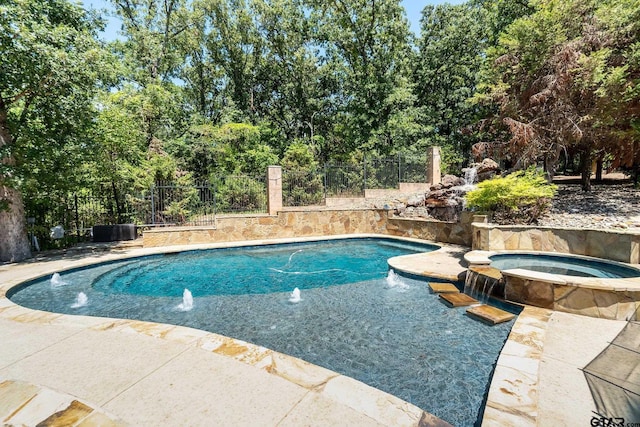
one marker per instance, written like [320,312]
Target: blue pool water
[258,270]
[387,331]
[565,265]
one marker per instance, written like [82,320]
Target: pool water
[564,265]
[256,270]
[387,331]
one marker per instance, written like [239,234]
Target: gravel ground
[607,206]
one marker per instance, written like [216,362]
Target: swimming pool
[387,331]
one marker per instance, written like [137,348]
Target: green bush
[520,197]
[240,194]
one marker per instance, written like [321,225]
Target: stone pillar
[433,165]
[274,189]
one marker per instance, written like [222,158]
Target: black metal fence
[174,204]
[240,194]
[171,203]
[77,214]
[303,188]
[350,180]
[198,204]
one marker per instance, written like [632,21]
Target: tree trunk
[585,169]
[551,162]
[599,167]
[14,244]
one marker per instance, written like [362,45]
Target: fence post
[326,183]
[75,205]
[433,165]
[274,189]
[153,205]
[364,175]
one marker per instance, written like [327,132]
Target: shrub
[520,197]
[240,194]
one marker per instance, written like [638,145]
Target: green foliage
[231,148]
[302,181]
[299,157]
[367,51]
[256,160]
[198,90]
[52,65]
[521,196]
[451,53]
[240,194]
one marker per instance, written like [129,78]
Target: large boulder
[448,181]
[416,200]
[487,169]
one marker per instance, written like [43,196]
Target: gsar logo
[600,421]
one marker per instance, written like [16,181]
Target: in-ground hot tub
[562,264]
[572,283]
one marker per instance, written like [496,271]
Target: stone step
[489,314]
[443,288]
[485,270]
[458,299]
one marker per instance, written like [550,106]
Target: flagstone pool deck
[89,371]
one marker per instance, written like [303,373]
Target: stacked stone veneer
[458,233]
[309,223]
[612,300]
[623,246]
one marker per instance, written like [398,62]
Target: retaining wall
[309,223]
[623,245]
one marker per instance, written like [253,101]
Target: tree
[566,77]
[499,14]
[451,48]
[289,89]
[366,51]
[50,60]
[157,35]
[118,149]
[234,46]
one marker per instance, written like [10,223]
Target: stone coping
[337,392]
[444,263]
[513,394]
[538,378]
[24,403]
[612,284]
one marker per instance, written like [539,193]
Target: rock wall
[601,303]
[311,223]
[623,246]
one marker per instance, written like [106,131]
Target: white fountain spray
[187,301]
[393,280]
[81,300]
[295,296]
[56,281]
